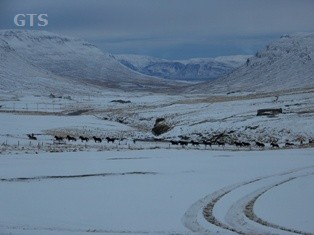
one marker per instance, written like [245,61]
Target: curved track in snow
[230,209]
[249,212]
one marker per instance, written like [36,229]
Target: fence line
[34,107]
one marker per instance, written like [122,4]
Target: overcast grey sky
[169,28]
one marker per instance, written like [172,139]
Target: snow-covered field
[196,117]
[150,186]
[157,192]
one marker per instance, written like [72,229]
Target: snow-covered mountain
[193,69]
[284,64]
[19,75]
[40,60]
[25,54]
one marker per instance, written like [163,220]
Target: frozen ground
[150,186]
[157,192]
[133,115]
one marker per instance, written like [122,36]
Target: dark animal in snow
[274,145]
[246,144]
[220,143]
[82,138]
[238,144]
[32,136]
[287,144]
[110,139]
[183,143]
[195,143]
[96,139]
[58,138]
[207,143]
[174,142]
[259,144]
[70,138]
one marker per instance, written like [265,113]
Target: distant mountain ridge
[41,53]
[44,61]
[196,69]
[287,63]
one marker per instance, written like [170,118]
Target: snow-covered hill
[44,61]
[22,76]
[284,64]
[29,53]
[193,69]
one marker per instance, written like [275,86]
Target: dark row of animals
[196,143]
[236,143]
[172,142]
[84,139]
[72,138]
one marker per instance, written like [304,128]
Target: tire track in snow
[249,212]
[204,207]
[240,215]
[39,178]
[63,230]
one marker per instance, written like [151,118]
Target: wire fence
[33,107]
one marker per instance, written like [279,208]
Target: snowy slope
[68,58]
[193,69]
[284,64]
[19,75]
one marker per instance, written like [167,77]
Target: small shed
[268,112]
